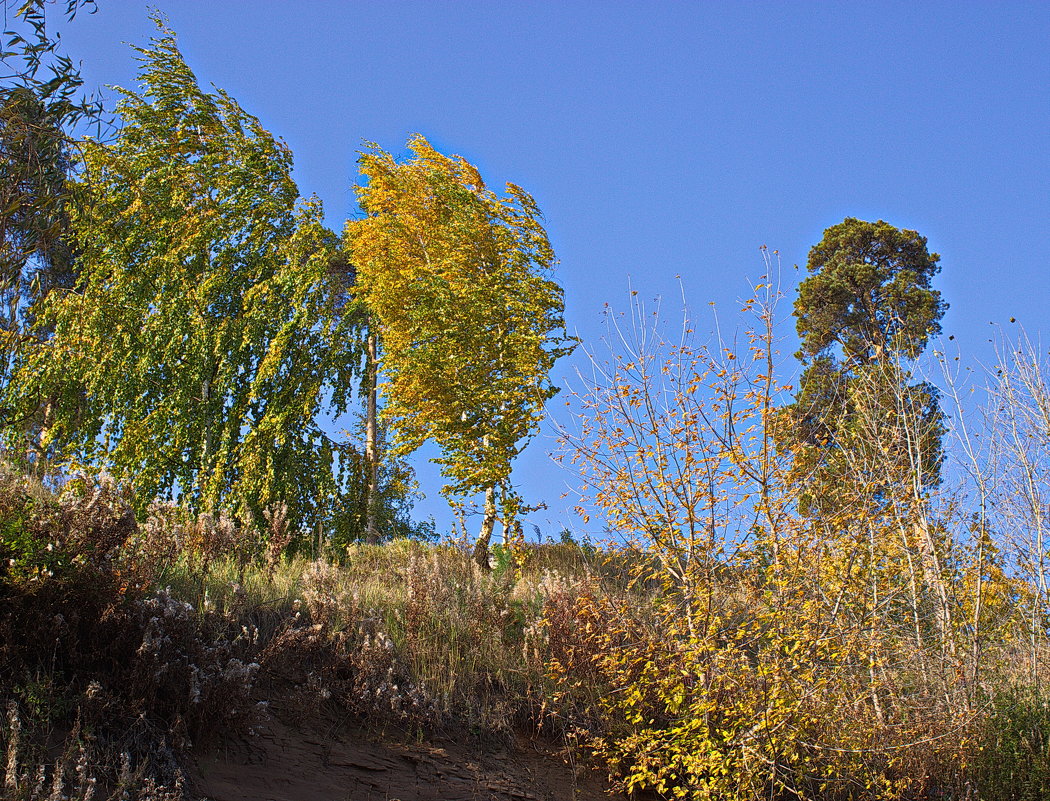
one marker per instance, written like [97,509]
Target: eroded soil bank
[284,758]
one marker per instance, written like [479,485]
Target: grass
[114,661]
[471,641]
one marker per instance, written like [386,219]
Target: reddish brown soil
[285,759]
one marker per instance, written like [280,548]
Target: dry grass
[121,646]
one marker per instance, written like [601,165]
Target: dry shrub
[279,536]
[155,656]
[322,596]
[132,679]
[194,671]
[173,539]
[339,655]
[98,517]
[74,774]
[43,534]
[69,664]
[157,544]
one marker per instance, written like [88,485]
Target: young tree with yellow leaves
[457,284]
[788,654]
[724,695]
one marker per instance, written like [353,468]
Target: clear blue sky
[664,139]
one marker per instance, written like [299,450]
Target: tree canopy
[211,323]
[868,292]
[457,281]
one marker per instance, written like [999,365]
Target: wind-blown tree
[211,323]
[456,282]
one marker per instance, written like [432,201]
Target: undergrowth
[124,645]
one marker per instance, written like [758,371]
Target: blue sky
[663,139]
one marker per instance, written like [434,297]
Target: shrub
[43,535]
[1011,761]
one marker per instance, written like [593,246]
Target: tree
[762,632]
[456,283]
[866,441]
[212,321]
[869,292]
[39,106]
[35,246]
[1018,477]
[865,310]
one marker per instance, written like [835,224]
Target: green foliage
[868,292]
[39,106]
[211,324]
[1012,758]
[35,160]
[865,310]
[26,550]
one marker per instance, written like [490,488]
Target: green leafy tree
[39,105]
[456,281]
[211,323]
[866,309]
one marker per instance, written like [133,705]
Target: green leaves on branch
[39,107]
[211,323]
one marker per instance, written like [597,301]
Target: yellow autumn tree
[457,284]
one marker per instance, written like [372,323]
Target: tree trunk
[371,441]
[934,577]
[488,524]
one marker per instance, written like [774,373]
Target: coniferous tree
[865,311]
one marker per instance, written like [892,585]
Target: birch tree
[211,323]
[457,283]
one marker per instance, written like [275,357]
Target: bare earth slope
[288,760]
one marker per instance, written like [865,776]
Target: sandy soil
[289,760]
